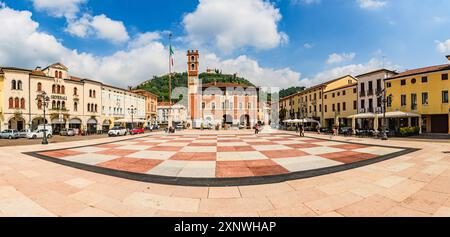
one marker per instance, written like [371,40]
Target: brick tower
[194,86]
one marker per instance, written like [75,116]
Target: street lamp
[381,95]
[132,111]
[45,100]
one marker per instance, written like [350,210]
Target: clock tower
[195,90]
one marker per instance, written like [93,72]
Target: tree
[282,115]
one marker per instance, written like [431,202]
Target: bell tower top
[193,64]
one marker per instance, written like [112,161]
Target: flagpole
[170,81]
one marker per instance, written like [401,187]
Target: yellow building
[422,91]
[339,104]
[310,102]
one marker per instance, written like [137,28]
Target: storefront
[92,126]
[75,123]
[106,125]
[58,124]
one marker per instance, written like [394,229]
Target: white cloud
[308,46]
[352,69]
[371,4]
[307,2]
[23,45]
[251,70]
[443,47]
[340,58]
[100,27]
[251,23]
[59,8]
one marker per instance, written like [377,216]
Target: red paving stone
[235,148]
[348,157]
[350,146]
[262,143]
[60,154]
[284,154]
[202,144]
[107,146]
[302,145]
[165,148]
[118,152]
[131,165]
[195,156]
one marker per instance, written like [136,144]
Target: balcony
[370,110]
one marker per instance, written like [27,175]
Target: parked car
[39,133]
[24,133]
[10,134]
[117,131]
[67,132]
[137,131]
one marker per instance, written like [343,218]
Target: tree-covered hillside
[159,85]
[290,91]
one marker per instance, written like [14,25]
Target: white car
[117,131]
[39,134]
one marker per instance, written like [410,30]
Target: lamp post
[382,96]
[132,111]
[45,100]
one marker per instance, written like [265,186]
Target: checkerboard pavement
[220,156]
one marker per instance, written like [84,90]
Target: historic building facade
[74,102]
[179,113]
[225,104]
[422,91]
[310,103]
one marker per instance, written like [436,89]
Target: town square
[216,114]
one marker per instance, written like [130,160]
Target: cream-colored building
[74,102]
[179,113]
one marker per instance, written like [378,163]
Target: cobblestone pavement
[415,184]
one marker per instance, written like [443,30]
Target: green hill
[159,85]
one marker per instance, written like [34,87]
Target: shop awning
[400,114]
[363,116]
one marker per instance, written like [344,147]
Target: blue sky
[278,43]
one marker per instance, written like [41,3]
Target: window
[19,85]
[403,100]
[39,87]
[363,104]
[63,105]
[388,85]
[90,93]
[13,85]
[320,95]
[379,102]
[445,97]
[16,103]
[56,74]
[58,89]
[58,105]
[414,101]
[192,67]
[54,89]
[355,91]
[424,79]
[93,94]
[403,82]
[213,105]
[320,108]
[53,104]
[60,74]
[203,105]
[11,103]
[326,96]
[355,105]
[425,98]
[334,107]
[339,107]
[75,91]
[63,90]
[445,77]
[343,93]
[389,101]
[413,81]
[339,94]
[75,107]
[96,108]
[315,96]
[22,103]
[326,108]
[333,95]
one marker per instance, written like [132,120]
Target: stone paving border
[221,182]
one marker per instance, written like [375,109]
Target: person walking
[302,130]
[256,129]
